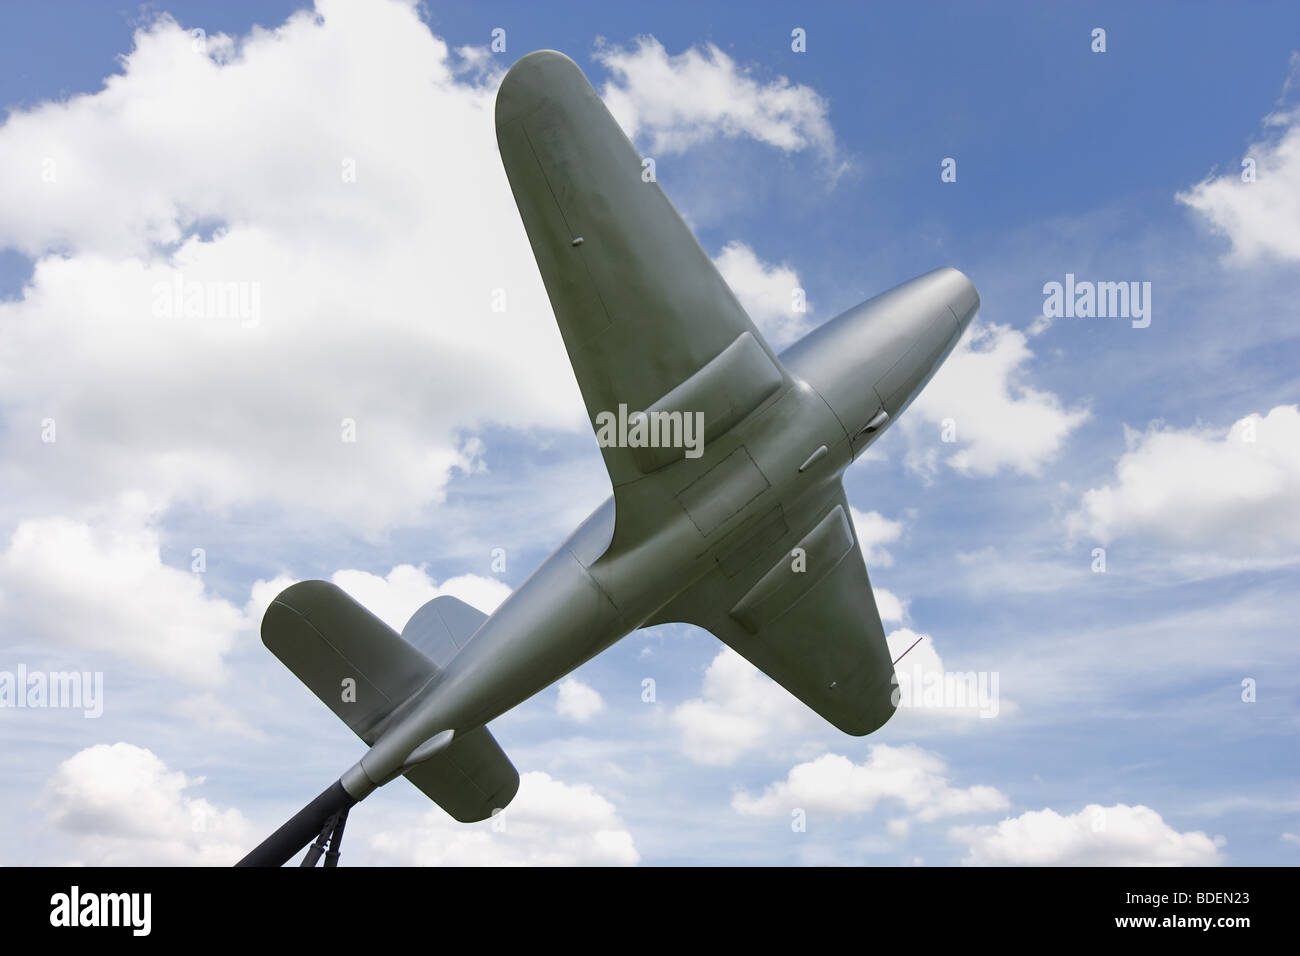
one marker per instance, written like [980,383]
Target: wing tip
[526,83]
[879,705]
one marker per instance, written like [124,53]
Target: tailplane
[366,673]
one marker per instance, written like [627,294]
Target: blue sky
[1122,736]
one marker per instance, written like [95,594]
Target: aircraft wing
[815,631]
[640,306]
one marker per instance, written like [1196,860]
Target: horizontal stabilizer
[363,670]
[355,663]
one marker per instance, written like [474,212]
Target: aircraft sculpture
[744,532]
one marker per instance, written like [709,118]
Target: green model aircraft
[728,510]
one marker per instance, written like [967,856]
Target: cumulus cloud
[1095,836]
[771,294]
[1261,218]
[124,807]
[240,299]
[928,688]
[405,589]
[1232,492]
[230,285]
[113,593]
[394,597]
[577,701]
[874,531]
[105,588]
[889,606]
[998,420]
[549,823]
[215,716]
[739,709]
[674,102]
[832,784]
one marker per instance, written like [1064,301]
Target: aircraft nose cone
[962,297]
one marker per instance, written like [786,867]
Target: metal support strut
[331,836]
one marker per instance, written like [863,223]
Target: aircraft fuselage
[850,379]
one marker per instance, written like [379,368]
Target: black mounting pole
[317,818]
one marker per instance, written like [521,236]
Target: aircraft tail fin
[363,671]
[442,627]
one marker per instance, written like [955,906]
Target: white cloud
[832,784]
[740,708]
[549,823]
[927,687]
[113,593]
[874,531]
[993,570]
[1095,836]
[767,292]
[373,249]
[1231,492]
[215,716]
[678,101]
[374,295]
[889,606]
[106,589]
[577,701]
[405,589]
[1000,422]
[1261,219]
[262,594]
[899,829]
[125,808]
